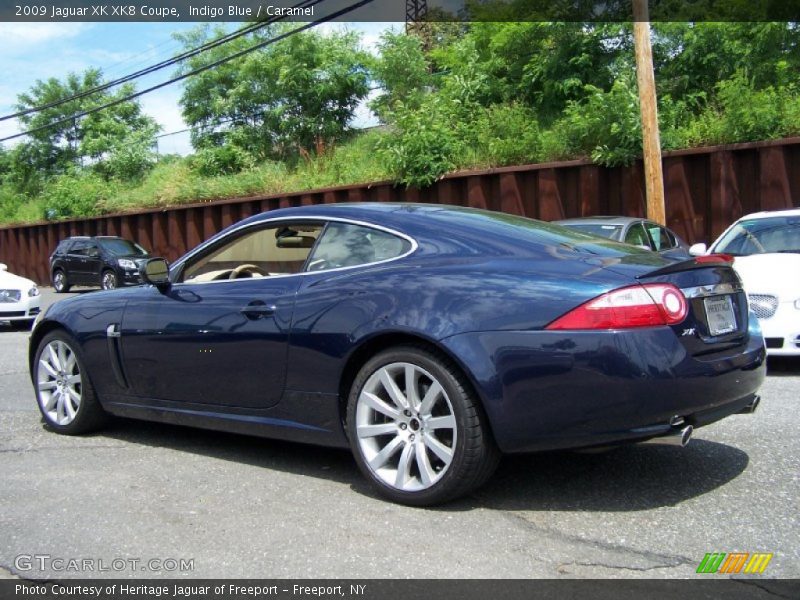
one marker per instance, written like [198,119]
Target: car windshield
[611,232]
[120,247]
[762,236]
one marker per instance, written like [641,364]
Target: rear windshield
[762,236]
[120,247]
[501,229]
[611,232]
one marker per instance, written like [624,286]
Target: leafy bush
[132,157]
[424,143]
[508,134]
[10,203]
[605,126]
[76,195]
[219,160]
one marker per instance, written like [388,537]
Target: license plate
[721,318]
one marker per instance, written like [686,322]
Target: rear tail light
[715,258]
[646,305]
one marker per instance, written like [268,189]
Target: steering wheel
[248,268]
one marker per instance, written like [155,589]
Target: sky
[38,51]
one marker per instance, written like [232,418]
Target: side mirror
[698,249]
[156,272]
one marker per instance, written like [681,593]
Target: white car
[20,301]
[766,247]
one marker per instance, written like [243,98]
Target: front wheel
[108,280]
[60,284]
[416,429]
[64,393]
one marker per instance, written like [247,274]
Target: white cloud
[18,38]
[163,105]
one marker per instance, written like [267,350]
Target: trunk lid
[718,317]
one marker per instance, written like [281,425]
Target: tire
[108,280]
[64,393]
[438,450]
[60,282]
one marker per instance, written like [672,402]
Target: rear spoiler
[697,262]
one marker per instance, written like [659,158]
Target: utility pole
[651,143]
[415,12]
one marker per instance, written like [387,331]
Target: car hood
[11,281]
[776,274]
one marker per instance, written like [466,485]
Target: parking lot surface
[237,506]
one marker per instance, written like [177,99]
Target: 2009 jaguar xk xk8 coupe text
[428,339]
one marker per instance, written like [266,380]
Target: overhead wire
[202,69]
[158,66]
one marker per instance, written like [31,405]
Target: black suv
[102,260]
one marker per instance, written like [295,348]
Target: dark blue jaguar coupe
[428,339]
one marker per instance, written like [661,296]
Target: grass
[173,182]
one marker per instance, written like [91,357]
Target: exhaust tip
[686,435]
[752,407]
[676,437]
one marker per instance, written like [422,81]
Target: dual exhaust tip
[678,437]
[682,437]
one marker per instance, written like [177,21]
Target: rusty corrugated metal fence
[706,189]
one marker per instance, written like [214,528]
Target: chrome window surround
[181,263]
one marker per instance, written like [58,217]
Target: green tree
[79,142]
[402,71]
[292,98]
[692,58]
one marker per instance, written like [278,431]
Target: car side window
[347,245]
[79,248]
[62,247]
[637,236]
[266,251]
[661,238]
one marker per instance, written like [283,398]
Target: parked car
[766,247]
[428,339]
[632,230]
[105,261]
[19,299]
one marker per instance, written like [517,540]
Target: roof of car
[600,220]
[94,237]
[765,214]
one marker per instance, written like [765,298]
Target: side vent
[112,337]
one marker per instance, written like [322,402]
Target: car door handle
[258,309]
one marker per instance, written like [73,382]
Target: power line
[330,17]
[158,66]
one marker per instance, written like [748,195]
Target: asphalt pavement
[170,501]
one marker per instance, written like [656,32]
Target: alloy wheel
[109,281]
[406,427]
[59,382]
[59,281]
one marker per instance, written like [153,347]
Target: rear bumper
[545,390]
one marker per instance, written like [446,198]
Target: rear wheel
[109,280]
[60,283]
[416,429]
[64,393]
